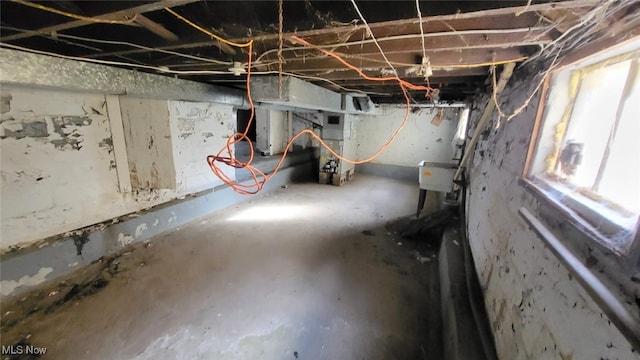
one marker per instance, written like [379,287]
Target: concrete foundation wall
[537,310]
[59,168]
[78,152]
[421,139]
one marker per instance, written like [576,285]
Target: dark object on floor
[421,199]
[410,227]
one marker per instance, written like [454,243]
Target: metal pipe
[627,323]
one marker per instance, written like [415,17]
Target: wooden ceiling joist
[438,59]
[116,15]
[495,19]
[406,72]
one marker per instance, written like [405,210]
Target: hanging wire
[425,68]
[370,32]
[280,45]
[114,42]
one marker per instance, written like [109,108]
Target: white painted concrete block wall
[272,133]
[199,129]
[536,309]
[148,133]
[419,140]
[350,150]
[58,170]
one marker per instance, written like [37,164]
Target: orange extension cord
[226,156]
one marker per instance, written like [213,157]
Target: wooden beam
[453,41]
[503,18]
[155,28]
[401,26]
[470,148]
[438,59]
[448,41]
[404,72]
[611,40]
[416,80]
[449,30]
[116,15]
[395,90]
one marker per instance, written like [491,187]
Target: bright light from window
[272,213]
[587,149]
[594,114]
[621,175]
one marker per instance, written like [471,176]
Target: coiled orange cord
[227,157]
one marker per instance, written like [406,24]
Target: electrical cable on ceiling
[222,40]
[428,90]
[370,32]
[76,16]
[114,42]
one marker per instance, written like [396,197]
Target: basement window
[586,157]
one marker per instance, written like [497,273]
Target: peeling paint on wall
[58,169]
[140,229]
[21,129]
[148,142]
[8,286]
[62,131]
[125,239]
[199,129]
[536,308]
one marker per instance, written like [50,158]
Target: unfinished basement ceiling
[462,38]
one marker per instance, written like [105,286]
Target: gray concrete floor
[307,272]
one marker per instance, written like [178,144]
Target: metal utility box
[436,176]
